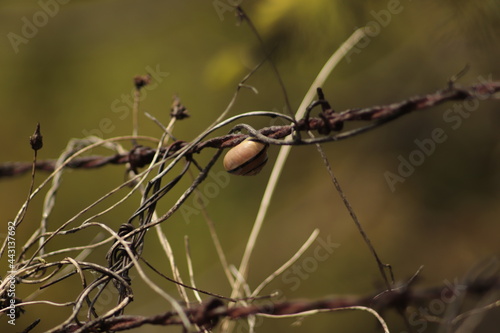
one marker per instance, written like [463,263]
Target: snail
[247,158]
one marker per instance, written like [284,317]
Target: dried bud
[178,111]
[141,81]
[36,140]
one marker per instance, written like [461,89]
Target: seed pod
[247,158]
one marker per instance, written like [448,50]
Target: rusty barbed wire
[208,314]
[328,120]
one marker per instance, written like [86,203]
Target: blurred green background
[76,69]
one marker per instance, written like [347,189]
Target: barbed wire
[209,313]
[328,121]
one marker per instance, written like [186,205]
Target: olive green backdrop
[70,67]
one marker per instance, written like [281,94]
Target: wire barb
[378,115]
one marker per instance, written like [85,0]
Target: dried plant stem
[285,150]
[287,264]
[50,197]
[22,212]
[86,251]
[170,255]
[354,217]
[347,308]
[135,112]
[477,311]
[190,269]
[241,13]
[44,302]
[216,241]
[161,235]
[58,170]
[146,279]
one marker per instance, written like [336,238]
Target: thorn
[456,77]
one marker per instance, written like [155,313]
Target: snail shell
[247,158]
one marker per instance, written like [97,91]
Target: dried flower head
[36,140]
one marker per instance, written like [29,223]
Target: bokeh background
[76,68]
